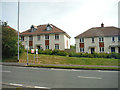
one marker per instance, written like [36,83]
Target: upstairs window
[33,28]
[118,38]
[81,40]
[48,27]
[92,39]
[101,39]
[113,39]
[46,37]
[38,37]
[57,36]
[22,38]
[30,38]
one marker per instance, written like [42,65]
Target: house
[99,39]
[44,37]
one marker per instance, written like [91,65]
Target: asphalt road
[58,78]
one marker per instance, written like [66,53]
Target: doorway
[112,49]
[92,50]
[118,49]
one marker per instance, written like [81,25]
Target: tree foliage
[9,42]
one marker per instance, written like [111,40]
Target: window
[81,40]
[81,49]
[118,38]
[92,39]
[56,46]
[38,37]
[113,39]
[46,37]
[22,38]
[30,38]
[30,47]
[47,47]
[101,49]
[101,39]
[48,28]
[56,36]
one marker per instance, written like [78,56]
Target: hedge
[74,54]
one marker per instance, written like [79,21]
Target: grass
[75,67]
[53,59]
[11,59]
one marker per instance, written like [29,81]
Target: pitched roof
[100,31]
[41,29]
[11,28]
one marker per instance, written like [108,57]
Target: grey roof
[100,31]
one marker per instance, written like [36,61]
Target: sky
[72,16]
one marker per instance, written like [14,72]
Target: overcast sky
[72,16]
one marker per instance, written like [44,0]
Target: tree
[9,42]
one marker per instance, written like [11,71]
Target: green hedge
[74,54]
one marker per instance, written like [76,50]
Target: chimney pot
[102,25]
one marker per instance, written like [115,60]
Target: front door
[118,49]
[112,49]
[92,50]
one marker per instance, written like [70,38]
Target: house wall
[52,41]
[107,44]
[66,42]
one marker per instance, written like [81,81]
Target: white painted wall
[65,42]
[52,41]
[88,43]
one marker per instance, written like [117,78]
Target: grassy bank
[74,67]
[53,59]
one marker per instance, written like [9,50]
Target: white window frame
[46,46]
[57,36]
[81,49]
[118,38]
[30,38]
[22,38]
[101,39]
[47,37]
[57,46]
[101,49]
[93,39]
[81,40]
[113,39]
[38,37]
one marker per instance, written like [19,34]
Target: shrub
[62,53]
[48,52]
[55,52]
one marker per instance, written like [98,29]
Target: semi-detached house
[44,37]
[99,39]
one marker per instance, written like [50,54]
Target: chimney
[102,25]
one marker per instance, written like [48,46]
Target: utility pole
[18,30]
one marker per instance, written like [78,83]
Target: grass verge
[75,67]
[64,60]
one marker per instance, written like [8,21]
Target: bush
[48,52]
[55,52]
[62,53]
[74,54]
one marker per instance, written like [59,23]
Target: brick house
[99,39]
[44,37]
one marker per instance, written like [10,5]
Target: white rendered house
[99,39]
[44,37]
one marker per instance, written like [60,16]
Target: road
[58,78]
